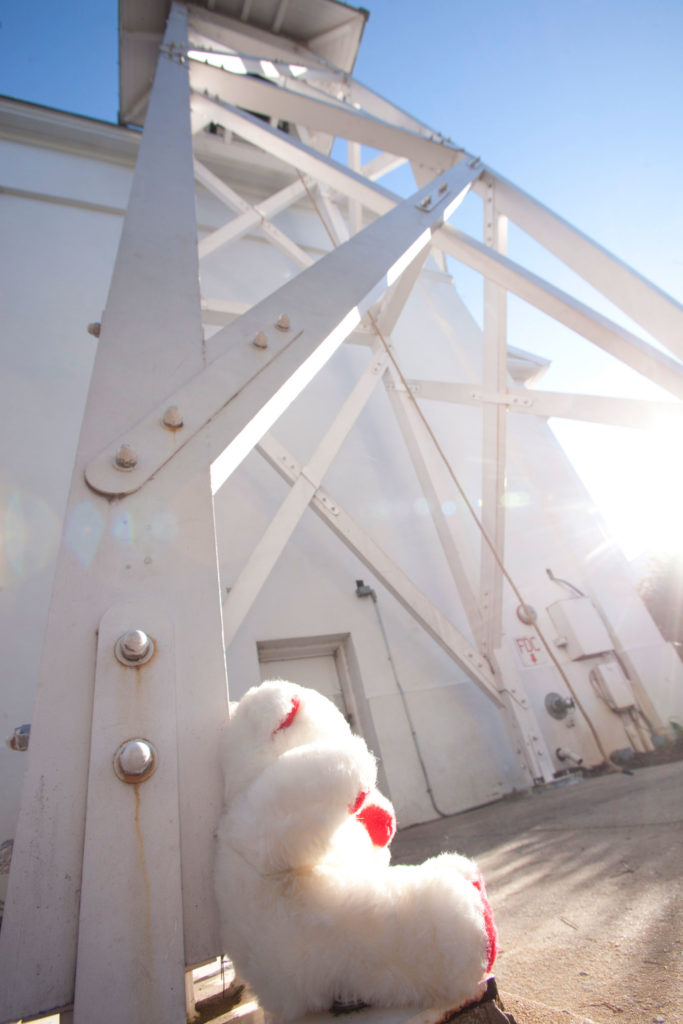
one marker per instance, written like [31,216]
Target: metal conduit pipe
[363,590]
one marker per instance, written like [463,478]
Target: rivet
[135,760]
[442,188]
[425,203]
[19,738]
[261,340]
[134,647]
[125,457]
[94,329]
[283,322]
[173,418]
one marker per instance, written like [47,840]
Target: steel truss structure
[164,422]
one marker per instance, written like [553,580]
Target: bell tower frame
[110,896]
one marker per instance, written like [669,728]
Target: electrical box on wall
[580,627]
[613,686]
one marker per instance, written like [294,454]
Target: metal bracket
[177,54]
[265,367]
[503,399]
[131,857]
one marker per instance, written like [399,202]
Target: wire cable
[487,540]
[490,544]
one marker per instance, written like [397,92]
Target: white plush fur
[311,911]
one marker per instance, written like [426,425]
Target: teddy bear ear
[289,717]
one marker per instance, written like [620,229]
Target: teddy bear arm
[304,796]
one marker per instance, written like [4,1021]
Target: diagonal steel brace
[265,366]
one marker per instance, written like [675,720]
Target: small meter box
[613,686]
[578,623]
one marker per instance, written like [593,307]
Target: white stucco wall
[61,220]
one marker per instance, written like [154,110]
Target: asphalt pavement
[584,877]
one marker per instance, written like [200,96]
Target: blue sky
[577,102]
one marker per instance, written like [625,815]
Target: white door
[319,672]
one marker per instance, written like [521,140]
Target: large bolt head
[126,457]
[135,760]
[134,647]
[173,418]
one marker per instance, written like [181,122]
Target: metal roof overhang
[328,29]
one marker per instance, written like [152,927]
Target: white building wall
[61,224]
[55,265]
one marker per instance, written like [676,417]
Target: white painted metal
[293,152]
[384,317]
[494,431]
[349,123]
[278,71]
[656,311]
[250,216]
[222,311]
[159,548]
[388,572]
[247,38]
[532,749]
[263,557]
[604,333]
[130,922]
[621,412]
[145,851]
[354,160]
[382,164]
[244,391]
[427,467]
[600,330]
[534,758]
[331,215]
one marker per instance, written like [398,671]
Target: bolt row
[135,759]
[126,457]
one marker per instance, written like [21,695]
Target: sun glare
[635,479]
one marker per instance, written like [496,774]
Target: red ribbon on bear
[489,923]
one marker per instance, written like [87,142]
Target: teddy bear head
[271,719]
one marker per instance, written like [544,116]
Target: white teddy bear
[311,911]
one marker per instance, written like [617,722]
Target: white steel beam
[357,93]
[381,164]
[384,317]
[417,604]
[494,431]
[248,38]
[291,151]
[263,558]
[422,454]
[280,15]
[252,216]
[265,365]
[292,83]
[331,33]
[643,301]
[619,412]
[354,160]
[132,928]
[222,311]
[349,123]
[604,333]
[666,313]
[331,216]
